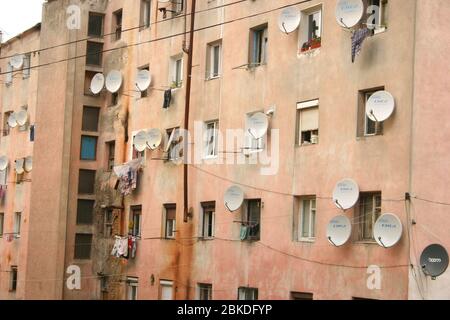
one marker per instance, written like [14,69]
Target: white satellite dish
[289,19]
[233,198]
[339,230]
[22,117]
[258,124]
[140,140]
[97,83]
[143,80]
[380,106]
[28,164]
[12,121]
[154,138]
[388,230]
[19,166]
[349,12]
[113,81]
[16,61]
[3,163]
[346,194]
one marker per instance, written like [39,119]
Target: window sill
[306,145]
[203,238]
[379,30]
[210,157]
[306,240]
[213,78]
[365,242]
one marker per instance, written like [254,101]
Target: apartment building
[140,224]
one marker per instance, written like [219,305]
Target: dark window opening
[85,211]
[83,244]
[86,181]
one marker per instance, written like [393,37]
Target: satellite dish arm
[334,244]
[226,205]
[339,205]
[342,21]
[284,28]
[373,115]
[249,131]
[381,241]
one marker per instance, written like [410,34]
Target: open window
[145,13]
[208,220]
[132,288]
[135,221]
[367,212]
[170,216]
[251,220]
[174,145]
[13,279]
[376,15]
[308,123]
[259,38]
[176,71]
[365,126]
[117,24]
[214,60]
[211,139]
[310,31]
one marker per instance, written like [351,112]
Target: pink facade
[284,262]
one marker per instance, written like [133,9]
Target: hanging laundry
[167,98]
[120,248]
[2,192]
[127,174]
[244,232]
[132,244]
[358,38]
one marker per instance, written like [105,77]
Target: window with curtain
[308,123]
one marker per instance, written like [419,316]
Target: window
[88,148]
[26,65]
[86,181]
[367,127]
[247,294]
[208,209]
[5,123]
[301,296]
[252,145]
[307,219]
[170,221]
[145,13]
[17,224]
[251,220]
[88,76]
[214,56]
[94,53]
[145,92]
[165,290]
[177,71]
[308,123]
[4,177]
[2,221]
[32,133]
[132,288]
[376,15]
[135,223]
[258,45]
[204,291]
[178,6]
[95,27]
[9,74]
[310,31]
[173,149]
[211,136]
[83,244]
[134,153]
[117,24]
[85,211]
[368,211]
[111,150]
[114,99]
[13,279]
[108,220]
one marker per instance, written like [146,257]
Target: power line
[126,30]
[164,38]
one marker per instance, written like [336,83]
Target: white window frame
[146,10]
[245,292]
[166,284]
[303,34]
[211,133]
[312,222]
[174,83]
[132,288]
[203,286]
[304,106]
[381,27]
[137,232]
[204,222]
[17,224]
[367,95]
[173,223]
[212,61]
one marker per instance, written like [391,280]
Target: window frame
[176,72]
[117,24]
[252,235]
[136,216]
[108,222]
[84,157]
[79,220]
[172,224]
[363,119]
[259,45]
[102,25]
[201,288]
[167,284]
[17,224]
[211,133]
[110,154]
[143,94]
[145,14]
[26,69]
[208,225]
[247,293]
[302,107]
[77,255]
[312,222]
[360,215]
[97,53]
[211,60]
[132,288]
[13,280]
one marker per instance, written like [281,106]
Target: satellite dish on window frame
[154,138]
[346,194]
[258,124]
[233,198]
[97,83]
[434,260]
[349,12]
[12,121]
[19,166]
[339,230]
[143,80]
[140,140]
[289,19]
[380,106]
[28,165]
[21,117]
[3,163]
[16,61]
[113,81]
[388,230]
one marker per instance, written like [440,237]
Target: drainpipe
[187,106]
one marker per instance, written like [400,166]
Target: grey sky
[18,15]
